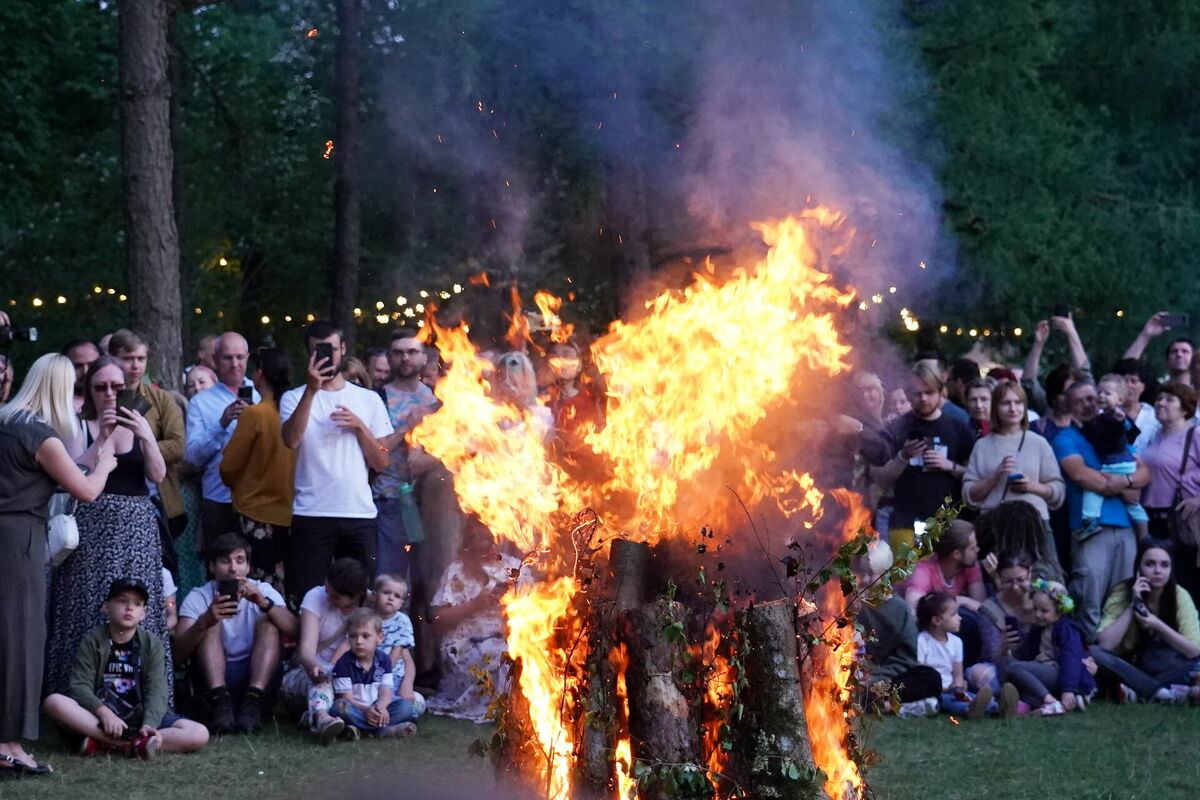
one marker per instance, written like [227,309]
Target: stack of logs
[665,725]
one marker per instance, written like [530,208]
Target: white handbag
[62,531]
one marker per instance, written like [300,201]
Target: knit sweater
[1035,461]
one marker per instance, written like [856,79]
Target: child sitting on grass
[363,683]
[118,700]
[1052,656]
[938,647]
[390,592]
[323,614]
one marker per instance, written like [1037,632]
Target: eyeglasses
[1013,581]
[103,388]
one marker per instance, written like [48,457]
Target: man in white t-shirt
[240,658]
[335,427]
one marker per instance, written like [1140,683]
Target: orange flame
[518,329]
[328,149]
[623,756]
[549,306]
[544,635]
[827,695]
[312,33]
[719,679]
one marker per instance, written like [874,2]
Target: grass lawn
[1108,752]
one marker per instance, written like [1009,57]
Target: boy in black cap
[118,695]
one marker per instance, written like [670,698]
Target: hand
[346,419]
[1090,665]
[146,730]
[107,422]
[405,694]
[1065,324]
[913,448]
[222,607]
[935,460]
[249,590]
[131,419]
[1118,413]
[1023,486]
[1141,587]
[1148,621]
[990,562]
[845,425]
[1006,467]
[232,412]
[317,672]
[1154,326]
[106,460]
[1012,639]
[317,376]
[381,713]
[1068,701]
[1041,331]
[1188,507]
[112,725]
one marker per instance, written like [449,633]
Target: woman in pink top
[1163,455]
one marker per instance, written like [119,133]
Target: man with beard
[376,362]
[1179,352]
[408,400]
[82,353]
[211,419]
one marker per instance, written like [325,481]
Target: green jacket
[87,676]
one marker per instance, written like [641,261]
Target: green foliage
[1071,144]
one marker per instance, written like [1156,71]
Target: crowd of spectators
[271,540]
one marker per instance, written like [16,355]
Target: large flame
[690,385]
[623,753]
[827,695]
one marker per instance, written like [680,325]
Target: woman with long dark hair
[258,468]
[1149,631]
[33,459]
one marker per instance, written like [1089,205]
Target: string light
[37,302]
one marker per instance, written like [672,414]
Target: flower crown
[1055,592]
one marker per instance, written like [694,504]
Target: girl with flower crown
[1050,672]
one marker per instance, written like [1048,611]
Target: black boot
[249,718]
[222,711]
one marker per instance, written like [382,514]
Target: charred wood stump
[663,723]
[595,776]
[520,765]
[771,744]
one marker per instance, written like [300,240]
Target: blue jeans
[399,711]
[391,539]
[952,705]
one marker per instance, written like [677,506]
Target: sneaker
[94,747]
[1166,696]
[918,708]
[144,747]
[1010,700]
[328,730]
[249,717]
[979,706]
[222,720]
[1126,695]
[401,730]
[1052,709]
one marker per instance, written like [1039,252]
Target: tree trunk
[627,573]
[663,725]
[175,71]
[773,733]
[347,219]
[595,773]
[152,243]
[519,762]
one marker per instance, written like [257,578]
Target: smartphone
[246,394]
[125,398]
[1012,623]
[228,587]
[324,351]
[1013,477]
[1176,321]
[1061,310]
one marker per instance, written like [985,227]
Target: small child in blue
[388,596]
[938,647]
[1051,656]
[363,685]
[1110,432]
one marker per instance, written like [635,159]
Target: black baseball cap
[128,585]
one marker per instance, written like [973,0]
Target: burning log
[771,739]
[595,772]
[519,766]
[627,573]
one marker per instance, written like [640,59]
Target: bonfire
[683,633]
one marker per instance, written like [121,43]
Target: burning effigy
[656,649]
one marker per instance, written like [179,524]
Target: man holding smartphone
[336,428]
[211,419]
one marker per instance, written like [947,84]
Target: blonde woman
[33,460]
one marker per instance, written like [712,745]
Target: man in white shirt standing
[335,426]
[211,419]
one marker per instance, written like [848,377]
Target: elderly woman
[1012,462]
[978,396]
[1174,476]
